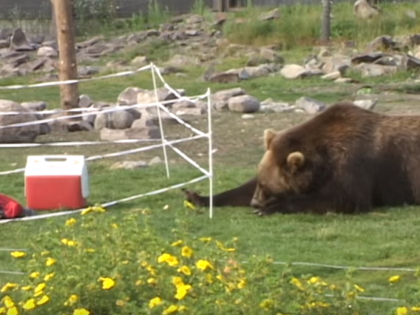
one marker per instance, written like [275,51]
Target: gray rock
[163,95]
[19,41]
[331,76]
[132,133]
[362,9]
[366,104]
[34,106]
[80,125]
[271,15]
[373,70]
[294,71]
[244,104]
[189,112]
[140,61]
[143,123]
[47,51]
[129,96]
[310,105]
[155,161]
[121,119]
[182,104]
[85,101]
[225,77]
[24,134]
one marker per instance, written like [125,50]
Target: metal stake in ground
[66,45]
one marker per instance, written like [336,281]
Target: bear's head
[282,169]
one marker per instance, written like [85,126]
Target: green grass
[385,238]
[301,25]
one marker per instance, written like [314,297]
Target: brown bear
[345,159]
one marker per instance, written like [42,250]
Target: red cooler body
[56,182]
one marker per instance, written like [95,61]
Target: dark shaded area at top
[28,9]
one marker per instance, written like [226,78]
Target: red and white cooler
[56,182]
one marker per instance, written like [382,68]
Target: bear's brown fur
[345,159]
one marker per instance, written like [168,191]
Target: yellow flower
[43,300]
[209,278]
[319,304]
[81,311]
[266,304]
[205,239]
[402,310]
[18,254]
[139,282]
[26,288]
[151,270]
[189,205]
[151,281]
[359,288]
[49,276]
[169,259]
[71,300]
[29,304]
[68,242]
[92,209]
[107,283]
[71,222]
[8,286]
[50,261]
[2,310]
[120,303]
[8,302]
[177,281]
[12,311]
[297,283]
[203,264]
[186,252]
[171,309]
[90,250]
[415,309]
[241,284]
[44,253]
[394,279]
[34,275]
[185,270]
[40,287]
[182,291]
[177,243]
[155,302]
[313,280]
[114,225]
[182,308]
[222,247]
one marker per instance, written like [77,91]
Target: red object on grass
[11,208]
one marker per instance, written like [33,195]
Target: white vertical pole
[158,104]
[210,135]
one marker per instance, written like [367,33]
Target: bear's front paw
[193,197]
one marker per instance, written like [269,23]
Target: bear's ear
[268,137]
[295,161]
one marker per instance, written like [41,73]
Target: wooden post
[63,13]
[221,5]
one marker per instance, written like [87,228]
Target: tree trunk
[326,21]
[67,52]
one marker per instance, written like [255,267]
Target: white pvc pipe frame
[159,105]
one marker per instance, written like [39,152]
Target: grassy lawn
[128,232]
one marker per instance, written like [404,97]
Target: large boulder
[23,134]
